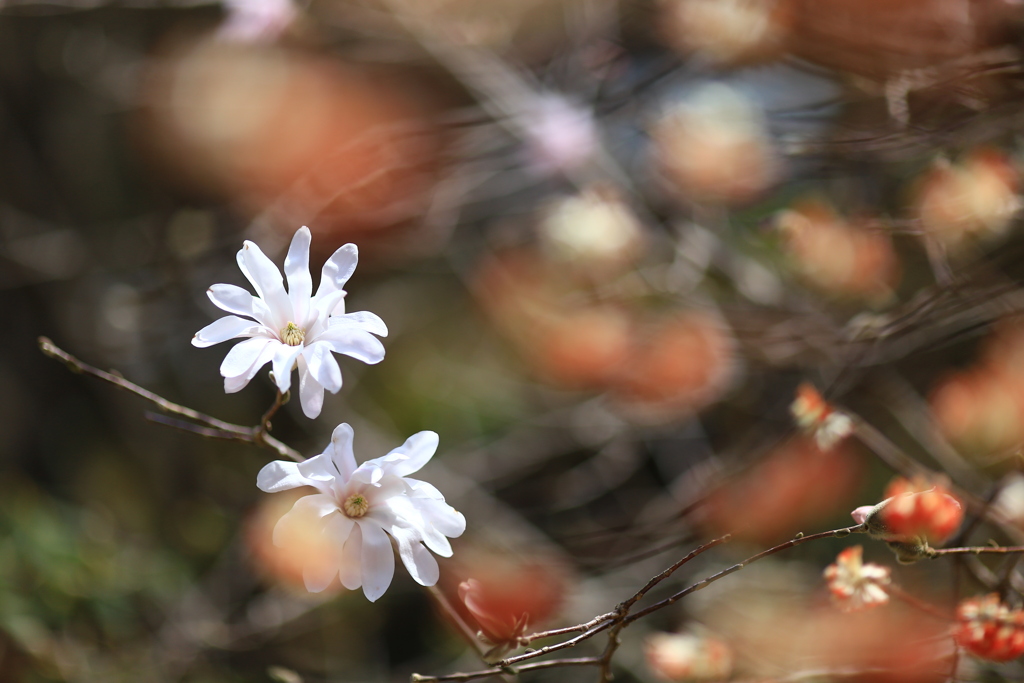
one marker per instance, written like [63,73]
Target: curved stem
[209,426]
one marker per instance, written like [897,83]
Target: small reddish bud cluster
[920,509]
[815,416]
[989,629]
[855,585]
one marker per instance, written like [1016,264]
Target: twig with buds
[209,427]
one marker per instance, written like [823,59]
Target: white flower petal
[296,268]
[318,575]
[421,564]
[225,328]
[423,489]
[340,450]
[284,361]
[311,392]
[232,299]
[282,475]
[322,366]
[378,560]
[363,320]
[442,516]
[306,511]
[358,344]
[237,383]
[267,280]
[242,356]
[419,449]
[338,270]
[351,569]
[326,305]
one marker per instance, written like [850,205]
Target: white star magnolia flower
[294,327]
[357,507]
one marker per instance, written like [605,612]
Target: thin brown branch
[486,673]
[704,583]
[572,642]
[525,640]
[977,550]
[209,426]
[625,606]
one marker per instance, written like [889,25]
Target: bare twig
[472,675]
[704,583]
[209,426]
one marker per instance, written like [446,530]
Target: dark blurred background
[609,240]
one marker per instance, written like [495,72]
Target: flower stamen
[292,334]
[356,506]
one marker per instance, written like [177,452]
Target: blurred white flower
[357,507]
[294,327]
[256,20]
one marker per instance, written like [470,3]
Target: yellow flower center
[292,334]
[356,506]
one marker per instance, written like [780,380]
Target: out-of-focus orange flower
[577,346]
[504,597]
[855,585]
[714,147]
[311,551]
[837,257]
[976,196]
[784,492]
[818,418]
[307,138]
[727,31]
[989,629]
[877,38]
[687,657]
[981,409]
[676,365]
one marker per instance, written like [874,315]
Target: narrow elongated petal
[327,304]
[358,344]
[363,320]
[267,280]
[351,569]
[378,560]
[282,475]
[340,450]
[311,392]
[418,449]
[446,519]
[222,329]
[405,513]
[322,366]
[231,299]
[421,564]
[237,383]
[338,269]
[296,268]
[242,355]
[284,361]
